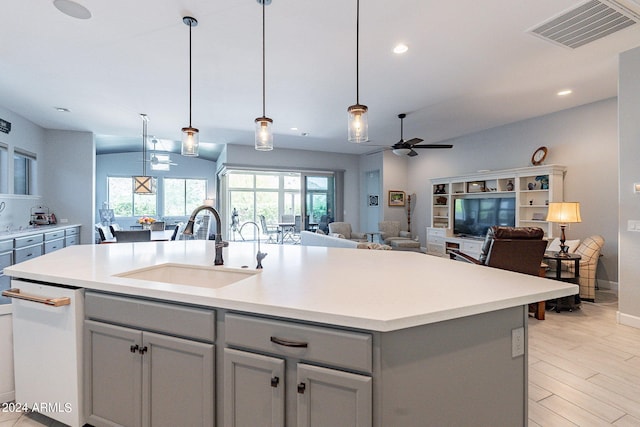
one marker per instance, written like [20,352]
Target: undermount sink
[192,275]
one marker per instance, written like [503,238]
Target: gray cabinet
[254,389]
[256,386]
[329,397]
[136,377]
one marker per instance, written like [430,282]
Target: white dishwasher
[47,349]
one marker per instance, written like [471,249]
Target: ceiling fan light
[401,151]
[190,142]
[358,123]
[264,134]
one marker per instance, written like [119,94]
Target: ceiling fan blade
[433,146]
[414,141]
[412,153]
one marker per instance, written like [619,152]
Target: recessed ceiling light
[62,110]
[304,134]
[294,128]
[72,9]
[400,48]
[565,92]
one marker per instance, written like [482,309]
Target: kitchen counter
[26,231]
[364,289]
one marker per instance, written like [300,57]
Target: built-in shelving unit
[532,187]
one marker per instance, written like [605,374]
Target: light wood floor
[584,370]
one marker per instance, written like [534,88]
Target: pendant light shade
[190,135]
[143,184]
[358,123]
[264,134]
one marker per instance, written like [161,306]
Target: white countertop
[36,229]
[358,288]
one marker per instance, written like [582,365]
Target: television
[473,216]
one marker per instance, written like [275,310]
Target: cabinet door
[113,377]
[329,398]
[253,389]
[178,382]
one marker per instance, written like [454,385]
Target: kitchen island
[410,339]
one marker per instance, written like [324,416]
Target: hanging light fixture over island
[190,135]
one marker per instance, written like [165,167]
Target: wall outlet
[64,221]
[517,342]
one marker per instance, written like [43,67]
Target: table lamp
[564,213]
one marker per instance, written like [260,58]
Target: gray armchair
[343,229]
[392,235]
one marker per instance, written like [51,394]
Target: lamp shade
[564,212]
[190,142]
[358,123]
[264,134]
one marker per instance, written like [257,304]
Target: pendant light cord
[144,144]
[190,26]
[357,51]
[263,61]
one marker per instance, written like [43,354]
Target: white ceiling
[471,65]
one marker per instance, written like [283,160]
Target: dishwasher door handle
[55,302]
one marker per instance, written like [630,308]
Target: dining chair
[132,235]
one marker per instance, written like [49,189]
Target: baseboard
[607,284]
[629,320]
[8,396]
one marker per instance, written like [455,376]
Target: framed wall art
[396,198]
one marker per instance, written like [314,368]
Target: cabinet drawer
[53,235]
[29,252]
[350,350]
[436,232]
[70,241]
[33,239]
[6,259]
[171,319]
[53,245]
[471,247]
[71,231]
[6,245]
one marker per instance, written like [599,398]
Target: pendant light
[143,184]
[358,122]
[190,135]
[264,133]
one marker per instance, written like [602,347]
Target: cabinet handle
[275,381]
[289,343]
[54,302]
[143,350]
[301,388]
[133,348]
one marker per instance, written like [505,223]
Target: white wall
[68,178]
[629,158]
[394,178]
[585,139]
[283,159]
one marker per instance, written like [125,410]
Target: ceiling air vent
[586,23]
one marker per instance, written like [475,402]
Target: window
[24,167]
[124,202]
[183,195]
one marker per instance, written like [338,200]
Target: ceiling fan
[406,148]
[159,162]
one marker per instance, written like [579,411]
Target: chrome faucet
[188,230]
[260,255]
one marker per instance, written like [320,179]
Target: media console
[532,188]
